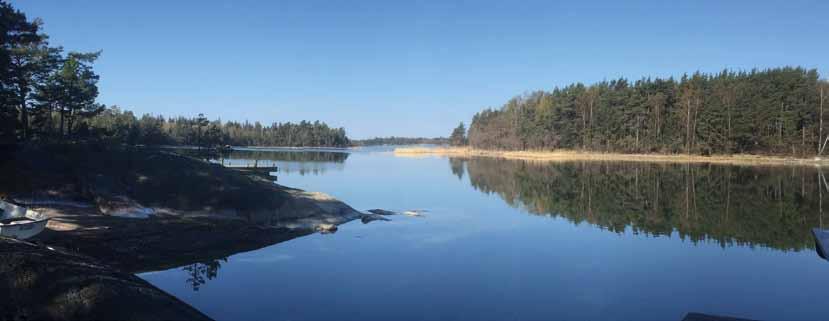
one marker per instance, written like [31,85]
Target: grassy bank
[569,155]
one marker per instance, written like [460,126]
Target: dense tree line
[758,206]
[46,94]
[774,111]
[43,91]
[392,140]
[122,126]
[458,137]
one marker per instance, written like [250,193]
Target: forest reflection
[300,162]
[745,205]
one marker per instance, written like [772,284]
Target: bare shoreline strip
[569,155]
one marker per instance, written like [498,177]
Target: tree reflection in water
[770,206]
[200,273]
[300,162]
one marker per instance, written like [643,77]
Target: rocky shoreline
[83,265]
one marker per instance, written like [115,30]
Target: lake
[517,240]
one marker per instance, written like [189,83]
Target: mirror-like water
[519,240]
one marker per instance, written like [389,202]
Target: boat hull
[24,230]
[20,222]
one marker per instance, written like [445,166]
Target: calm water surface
[522,241]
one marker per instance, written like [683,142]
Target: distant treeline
[401,141]
[774,111]
[46,94]
[123,126]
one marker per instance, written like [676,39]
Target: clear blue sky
[410,68]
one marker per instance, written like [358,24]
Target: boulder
[326,228]
[413,213]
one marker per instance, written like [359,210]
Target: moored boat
[19,222]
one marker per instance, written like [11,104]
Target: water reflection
[199,273]
[289,161]
[767,206]
[306,162]
[458,167]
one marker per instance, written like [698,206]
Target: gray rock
[381,212]
[414,213]
[326,228]
[368,218]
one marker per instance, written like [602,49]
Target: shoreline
[572,155]
[216,212]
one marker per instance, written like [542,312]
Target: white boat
[19,222]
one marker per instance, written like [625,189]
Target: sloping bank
[83,265]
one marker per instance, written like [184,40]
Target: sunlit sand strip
[568,155]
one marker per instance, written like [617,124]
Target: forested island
[122,126]
[393,140]
[777,111]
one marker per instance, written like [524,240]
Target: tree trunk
[70,123]
[697,105]
[590,133]
[24,121]
[780,126]
[24,112]
[638,123]
[820,129]
[688,127]
[730,142]
[62,120]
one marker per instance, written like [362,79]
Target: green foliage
[774,111]
[59,92]
[392,140]
[19,39]
[118,126]
[37,81]
[458,137]
[288,134]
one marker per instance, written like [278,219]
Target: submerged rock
[368,218]
[326,228]
[381,212]
[414,213]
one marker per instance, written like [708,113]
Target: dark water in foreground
[522,241]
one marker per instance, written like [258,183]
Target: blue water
[473,256]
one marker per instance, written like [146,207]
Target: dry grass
[569,155]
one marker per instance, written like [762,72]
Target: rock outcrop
[43,283]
